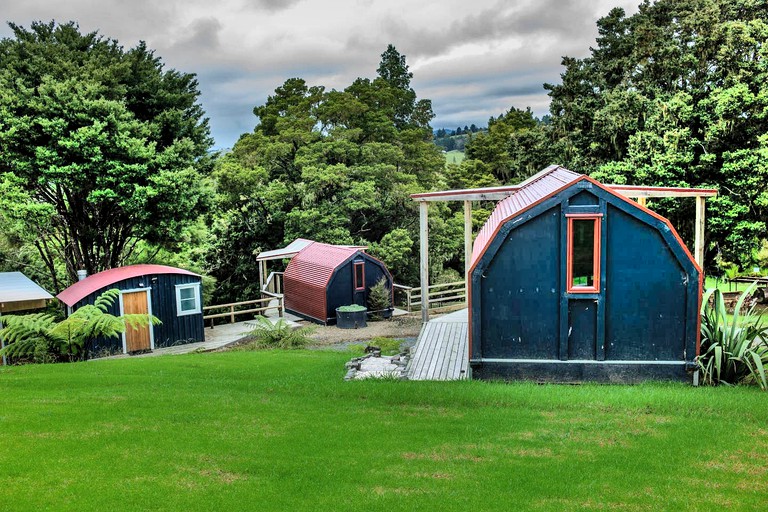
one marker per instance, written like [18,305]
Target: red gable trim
[90,284]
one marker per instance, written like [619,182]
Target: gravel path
[399,327]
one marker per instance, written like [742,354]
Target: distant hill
[454,157]
[455,140]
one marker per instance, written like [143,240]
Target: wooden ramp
[441,352]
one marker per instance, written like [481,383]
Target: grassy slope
[454,157]
[281,431]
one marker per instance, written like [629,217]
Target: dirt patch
[399,327]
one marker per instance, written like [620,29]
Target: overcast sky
[473,59]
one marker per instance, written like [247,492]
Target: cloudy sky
[473,59]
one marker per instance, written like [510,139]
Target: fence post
[231,314]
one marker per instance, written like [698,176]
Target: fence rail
[439,296]
[273,286]
[234,310]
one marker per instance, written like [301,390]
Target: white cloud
[473,59]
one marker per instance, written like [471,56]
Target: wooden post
[698,243]
[261,276]
[424,260]
[641,201]
[2,343]
[467,246]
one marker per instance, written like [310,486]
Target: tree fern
[40,337]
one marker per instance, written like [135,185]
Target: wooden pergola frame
[641,194]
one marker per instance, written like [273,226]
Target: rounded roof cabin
[570,281]
[323,277]
[171,294]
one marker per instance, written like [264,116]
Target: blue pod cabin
[323,277]
[171,294]
[570,281]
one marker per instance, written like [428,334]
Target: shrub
[40,338]
[279,334]
[735,350]
[379,296]
[352,308]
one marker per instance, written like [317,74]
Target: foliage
[735,350]
[379,296]
[333,166]
[674,95]
[41,338]
[100,147]
[390,446]
[278,334]
[351,308]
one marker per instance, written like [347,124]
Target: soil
[398,327]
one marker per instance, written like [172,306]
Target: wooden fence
[439,296]
[243,308]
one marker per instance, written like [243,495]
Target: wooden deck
[441,352]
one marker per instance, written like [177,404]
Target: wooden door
[137,338]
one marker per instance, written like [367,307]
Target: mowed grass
[282,431]
[454,157]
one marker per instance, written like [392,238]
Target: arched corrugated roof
[90,284]
[307,275]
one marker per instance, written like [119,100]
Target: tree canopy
[100,147]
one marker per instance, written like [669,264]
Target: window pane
[188,304]
[187,293]
[583,257]
[187,299]
[359,276]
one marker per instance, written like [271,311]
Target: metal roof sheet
[307,275]
[16,287]
[286,252]
[532,190]
[90,284]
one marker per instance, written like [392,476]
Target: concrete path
[218,337]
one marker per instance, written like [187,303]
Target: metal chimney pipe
[82,274]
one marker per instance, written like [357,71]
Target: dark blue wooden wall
[646,310]
[174,330]
[341,288]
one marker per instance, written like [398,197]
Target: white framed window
[187,299]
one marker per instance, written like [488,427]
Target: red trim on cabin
[570,287]
[81,289]
[359,285]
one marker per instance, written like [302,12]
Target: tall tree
[99,147]
[675,95]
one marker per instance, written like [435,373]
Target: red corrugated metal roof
[532,190]
[307,276]
[90,284]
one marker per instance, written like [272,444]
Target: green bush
[40,338]
[278,335]
[735,350]
[379,296]
[388,346]
[352,308]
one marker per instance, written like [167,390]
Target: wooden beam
[634,191]
[470,194]
[424,259]
[467,244]
[262,271]
[698,243]
[642,201]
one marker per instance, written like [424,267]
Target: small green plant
[40,338]
[278,334]
[379,297]
[388,346]
[735,350]
[352,308]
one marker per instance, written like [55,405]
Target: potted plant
[351,317]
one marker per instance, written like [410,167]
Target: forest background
[105,155]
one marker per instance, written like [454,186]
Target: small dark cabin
[571,282]
[171,294]
[322,277]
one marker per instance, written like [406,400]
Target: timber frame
[639,193]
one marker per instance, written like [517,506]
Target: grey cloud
[274,5]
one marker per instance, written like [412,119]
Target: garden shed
[19,293]
[571,281]
[322,277]
[171,294]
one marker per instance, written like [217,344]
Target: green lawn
[282,431]
[454,157]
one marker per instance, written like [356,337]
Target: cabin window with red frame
[360,276]
[583,254]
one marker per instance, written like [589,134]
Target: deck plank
[441,351]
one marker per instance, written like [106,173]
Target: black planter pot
[351,319]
